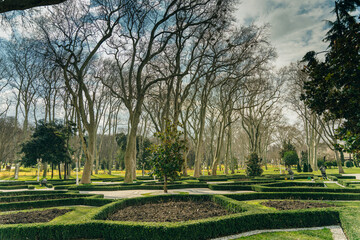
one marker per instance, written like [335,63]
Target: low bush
[31,187]
[303,189]
[13,187]
[135,187]
[230,187]
[29,193]
[349,164]
[295,195]
[292,184]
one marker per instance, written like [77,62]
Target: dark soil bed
[32,217]
[294,204]
[174,211]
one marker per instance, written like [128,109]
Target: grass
[324,234]
[332,185]
[30,174]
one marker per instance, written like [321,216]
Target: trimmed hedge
[54,203]
[13,187]
[234,187]
[27,193]
[11,183]
[199,229]
[294,195]
[133,187]
[304,189]
[339,176]
[48,196]
[296,184]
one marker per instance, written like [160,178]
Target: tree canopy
[333,88]
[49,142]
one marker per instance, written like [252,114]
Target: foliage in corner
[253,165]
[167,157]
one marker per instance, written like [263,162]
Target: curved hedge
[245,218]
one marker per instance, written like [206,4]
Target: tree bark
[165,184]
[45,167]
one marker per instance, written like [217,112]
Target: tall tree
[333,89]
[148,29]
[73,34]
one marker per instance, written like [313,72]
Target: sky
[295,26]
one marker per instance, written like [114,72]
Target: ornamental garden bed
[32,217]
[172,211]
[295,204]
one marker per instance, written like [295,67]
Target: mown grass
[30,174]
[324,234]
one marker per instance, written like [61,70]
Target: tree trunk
[17,167]
[165,184]
[45,167]
[338,162]
[52,170]
[86,177]
[200,143]
[130,152]
[59,171]
[218,148]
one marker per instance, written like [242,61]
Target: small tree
[291,158]
[49,142]
[310,168]
[167,156]
[298,168]
[305,167]
[253,165]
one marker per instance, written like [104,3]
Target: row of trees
[118,69]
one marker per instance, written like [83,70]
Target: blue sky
[296,26]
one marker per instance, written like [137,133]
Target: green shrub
[349,164]
[30,187]
[310,168]
[291,158]
[253,165]
[305,167]
[202,229]
[60,187]
[295,195]
[13,187]
[49,185]
[298,168]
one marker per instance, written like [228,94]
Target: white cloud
[296,27]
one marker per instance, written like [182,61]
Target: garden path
[141,193]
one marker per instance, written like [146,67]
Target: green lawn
[324,234]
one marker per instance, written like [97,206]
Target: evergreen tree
[48,142]
[253,165]
[333,89]
[167,157]
[305,167]
[298,169]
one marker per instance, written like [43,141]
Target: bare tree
[72,44]
[149,29]
[23,71]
